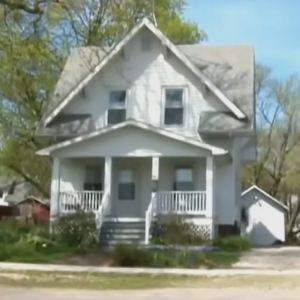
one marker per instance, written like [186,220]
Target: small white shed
[263,217]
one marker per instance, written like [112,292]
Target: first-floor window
[93,179]
[183,179]
[126,185]
[117,107]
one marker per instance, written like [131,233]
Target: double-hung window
[174,106]
[93,179]
[183,179]
[117,107]
[126,189]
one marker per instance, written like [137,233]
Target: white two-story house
[148,128]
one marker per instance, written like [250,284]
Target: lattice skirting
[204,231]
[198,225]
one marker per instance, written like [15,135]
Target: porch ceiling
[131,139]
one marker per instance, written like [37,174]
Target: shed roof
[271,198]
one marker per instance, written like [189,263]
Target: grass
[93,281]
[23,242]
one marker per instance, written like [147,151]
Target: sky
[271,26]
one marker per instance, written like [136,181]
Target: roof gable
[99,61]
[261,191]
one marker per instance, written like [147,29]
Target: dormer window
[117,107]
[174,106]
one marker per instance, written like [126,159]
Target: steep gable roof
[268,196]
[65,91]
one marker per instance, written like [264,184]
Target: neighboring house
[15,191]
[33,209]
[148,127]
[263,217]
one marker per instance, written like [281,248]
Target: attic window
[146,44]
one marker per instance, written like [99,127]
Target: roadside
[94,281]
[8,293]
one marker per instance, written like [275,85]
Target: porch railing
[148,218]
[181,202]
[89,201]
[103,210]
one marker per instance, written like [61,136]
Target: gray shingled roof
[231,68]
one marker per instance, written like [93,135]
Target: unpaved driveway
[282,258]
[8,293]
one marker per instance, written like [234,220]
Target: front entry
[126,194]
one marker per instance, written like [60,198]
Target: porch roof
[135,124]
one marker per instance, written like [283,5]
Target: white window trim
[184,103]
[127,182]
[128,95]
[185,168]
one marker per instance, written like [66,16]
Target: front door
[127,194]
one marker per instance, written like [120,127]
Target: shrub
[12,230]
[174,230]
[232,243]
[76,230]
[130,256]
[177,259]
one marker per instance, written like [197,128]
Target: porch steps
[122,232]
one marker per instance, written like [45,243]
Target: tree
[33,47]
[277,169]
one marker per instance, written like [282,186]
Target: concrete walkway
[8,293]
[278,258]
[191,272]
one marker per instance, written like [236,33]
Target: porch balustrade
[181,203]
[88,201]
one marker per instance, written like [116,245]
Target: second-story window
[117,107]
[174,106]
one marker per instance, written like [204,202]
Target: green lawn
[121,282]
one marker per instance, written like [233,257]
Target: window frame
[117,89]
[132,184]
[164,107]
[94,181]
[175,182]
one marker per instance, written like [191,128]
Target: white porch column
[155,173]
[210,191]
[107,178]
[55,188]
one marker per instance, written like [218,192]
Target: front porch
[173,185]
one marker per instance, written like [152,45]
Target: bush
[76,230]
[130,256]
[174,230]
[232,243]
